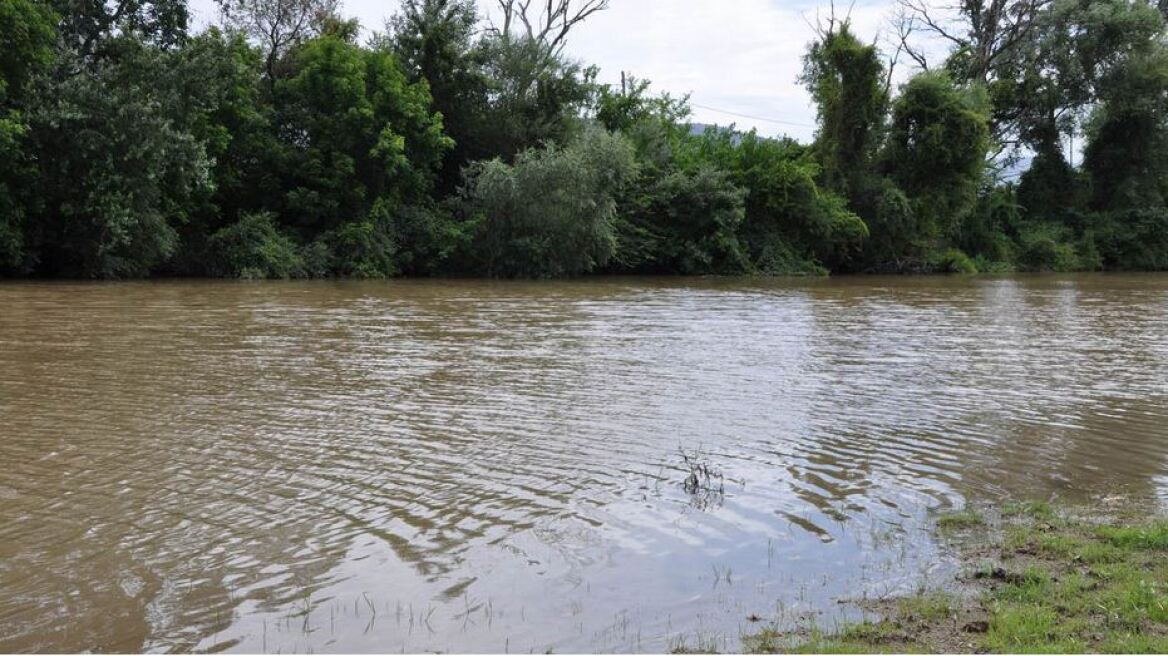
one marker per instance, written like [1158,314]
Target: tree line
[282,142]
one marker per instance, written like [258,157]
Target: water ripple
[455,465]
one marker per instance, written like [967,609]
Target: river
[500,466]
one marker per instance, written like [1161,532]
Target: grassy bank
[1035,579]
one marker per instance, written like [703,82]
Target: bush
[254,248]
[987,265]
[985,232]
[775,257]
[1045,247]
[683,222]
[892,223]
[952,260]
[552,212]
[11,235]
[1051,188]
[1133,239]
[430,238]
[362,249]
[784,202]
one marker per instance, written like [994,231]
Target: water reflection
[455,465]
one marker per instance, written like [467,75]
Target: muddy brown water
[490,467]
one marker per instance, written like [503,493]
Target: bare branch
[986,29]
[549,24]
[919,11]
[277,24]
[905,24]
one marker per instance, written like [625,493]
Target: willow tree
[552,212]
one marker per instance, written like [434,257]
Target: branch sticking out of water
[705,483]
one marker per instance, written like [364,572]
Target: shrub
[1045,247]
[684,222]
[255,248]
[363,249]
[552,212]
[1132,239]
[952,260]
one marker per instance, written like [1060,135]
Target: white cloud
[740,56]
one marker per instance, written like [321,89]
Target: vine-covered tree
[846,79]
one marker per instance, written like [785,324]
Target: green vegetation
[959,520]
[550,213]
[1042,582]
[280,143]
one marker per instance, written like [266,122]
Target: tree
[550,22]
[434,41]
[936,151]
[686,222]
[551,213]
[280,146]
[26,38]
[790,224]
[1050,188]
[536,94]
[632,106]
[116,168]
[1127,149]
[532,99]
[353,131]
[981,33]
[278,25]
[846,80]
[506,92]
[27,32]
[94,28]
[125,132]
[1038,59]
[217,81]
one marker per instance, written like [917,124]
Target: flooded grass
[1035,580]
[960,520]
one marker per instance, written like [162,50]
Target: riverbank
[1034,578]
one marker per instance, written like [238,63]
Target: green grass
[961,519]
[863,638]
[1049,582]
[1135,643]
[1086,586]
[1152,536]
[1034,586]
[1032,509]
[930,606]
[1095,553]
[1028,627]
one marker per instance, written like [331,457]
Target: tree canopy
[285,141]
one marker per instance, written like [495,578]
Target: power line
[754,118]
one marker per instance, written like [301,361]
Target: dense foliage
[281,144]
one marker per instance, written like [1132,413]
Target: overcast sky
[738,56]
